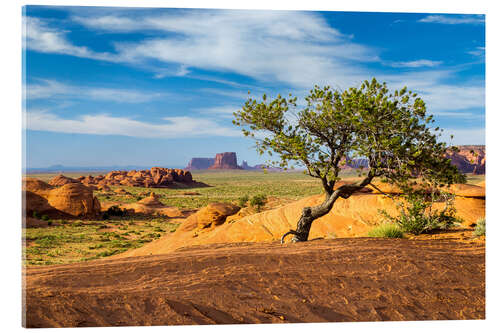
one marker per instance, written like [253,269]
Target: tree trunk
[309,214]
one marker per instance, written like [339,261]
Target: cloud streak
[416,63]
[102,124]
[453,19]
[50,88]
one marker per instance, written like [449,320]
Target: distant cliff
[226,160]
[469,159]
[200,163]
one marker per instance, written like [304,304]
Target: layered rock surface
[226,160]
[351,217]
[469,159]
[155,177]
[68,200]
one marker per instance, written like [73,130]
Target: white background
[11,154]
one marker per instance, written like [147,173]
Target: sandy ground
[356,279]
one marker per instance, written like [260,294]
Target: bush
[242,201]
[387,231]
[45,218]
[417,215]
[480,229]
[36,215]
[116,211]
[258,201]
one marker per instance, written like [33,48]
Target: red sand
[357,279]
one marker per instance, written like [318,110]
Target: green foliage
[45,218]
[480,229]
[391,130]
[36,215]
[387,231]
[242,201]
[258,201]
[116,211]
[418,216]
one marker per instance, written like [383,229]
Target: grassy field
[81,240]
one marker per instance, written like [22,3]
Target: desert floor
[73,276]
[357,279]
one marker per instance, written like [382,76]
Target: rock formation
[60,180]
[469,159]
[155,177]
[200,163]
[210,216]
[225,161]
[351,217]
[68,200]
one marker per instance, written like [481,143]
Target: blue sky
[115,86]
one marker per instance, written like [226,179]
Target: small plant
[386,230]
[116,211]
[36,215]
[418,216]
[258,201]
[242,201]
[480,229]
[45,218]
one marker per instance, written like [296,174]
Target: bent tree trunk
[309,214]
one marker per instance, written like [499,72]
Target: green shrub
[242,201]
[387,231]
[417,215]
[116,211]
[480,229]
[258,201]
[45,218]
[36,215]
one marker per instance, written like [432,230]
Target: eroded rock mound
[155,177]
[210,216]
[60,180]
[68,200]
[351,217]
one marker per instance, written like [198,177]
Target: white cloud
[51,88]
[416,63]
[457,114]
[439,96]
[464,136]
[293,47]
[297,48]
[38,36]
[478,51]
[225,111]
[45,89]
[453,19]
[102,124]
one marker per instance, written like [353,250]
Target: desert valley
[201,245]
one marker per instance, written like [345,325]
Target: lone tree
[390,130]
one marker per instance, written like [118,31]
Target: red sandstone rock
[225,161]
[60,180]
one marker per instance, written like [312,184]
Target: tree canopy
[391,130]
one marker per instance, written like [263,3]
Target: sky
[155,87]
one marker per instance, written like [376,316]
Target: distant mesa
[200,163]
[224,161]
[469,159]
